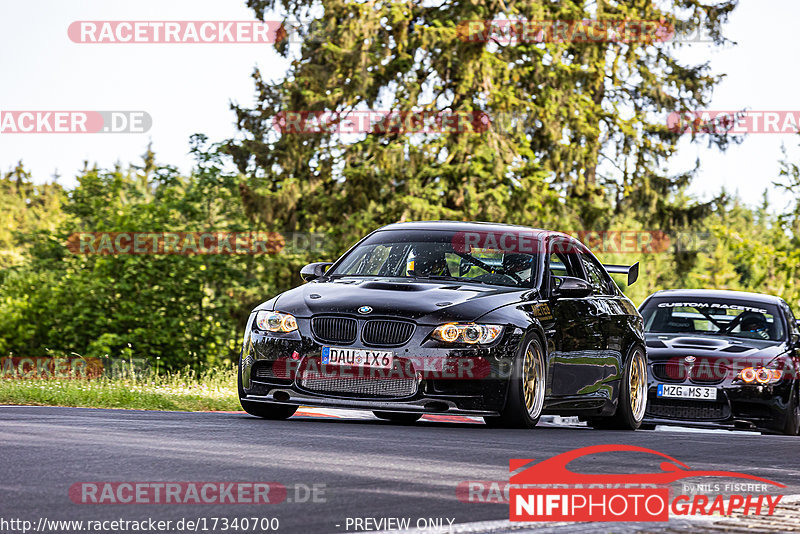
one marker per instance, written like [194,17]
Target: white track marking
[545,421]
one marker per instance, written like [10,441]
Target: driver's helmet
[428,262]
[514,263]
[754,324]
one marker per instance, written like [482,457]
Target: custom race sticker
[542,311]
[720,305]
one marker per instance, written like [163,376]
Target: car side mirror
[312,271]
[572,288]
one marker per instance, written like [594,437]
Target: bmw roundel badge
[364,310]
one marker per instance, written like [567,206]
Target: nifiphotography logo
[549,491]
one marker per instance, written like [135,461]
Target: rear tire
[398,417]
[632,401]
[792,426]
[526,388]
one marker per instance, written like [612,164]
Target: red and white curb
[336,413]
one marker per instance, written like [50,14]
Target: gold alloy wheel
[637,385]
[533,380]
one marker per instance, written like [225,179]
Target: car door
[575,336]
[612,312]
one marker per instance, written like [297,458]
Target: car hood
[421,300]
[662,347]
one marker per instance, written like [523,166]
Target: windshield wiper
[451,278]
[435,277]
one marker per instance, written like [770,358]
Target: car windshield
[436,255]
[716,317]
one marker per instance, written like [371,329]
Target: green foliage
[578,135]
[26,209]
[185,309]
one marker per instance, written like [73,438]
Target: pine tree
[577,127]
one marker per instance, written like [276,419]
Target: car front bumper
[425,404]
[737,406]
[463,380]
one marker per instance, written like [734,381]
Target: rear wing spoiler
[632,271]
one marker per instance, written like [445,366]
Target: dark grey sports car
[722,358]
[498,321]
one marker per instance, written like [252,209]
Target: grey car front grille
[387,333]
[335,329]
[358,386]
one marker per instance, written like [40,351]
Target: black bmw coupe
[498,321]
[722,358]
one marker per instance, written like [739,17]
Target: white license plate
[378,359]
[687,392]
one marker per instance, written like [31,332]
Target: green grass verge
[214,389]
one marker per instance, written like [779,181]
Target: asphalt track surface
[364,467]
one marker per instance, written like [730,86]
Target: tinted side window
[557,266]
[793,329]
[596,276]
[564,261]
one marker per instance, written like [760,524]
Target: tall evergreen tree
[576,124]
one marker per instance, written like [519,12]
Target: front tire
[526,388]
[265,410]
[792,425]
[632,401]
[395,417]
[268,410]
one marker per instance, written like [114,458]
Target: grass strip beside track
[211,390]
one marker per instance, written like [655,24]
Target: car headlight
[272,321]
[470,333]
[760,375]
